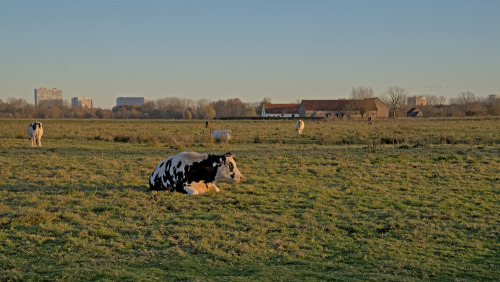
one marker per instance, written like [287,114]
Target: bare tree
[465,100]
[347,107]
[493,107]
[187,114]
[258,107]
[361,92]
[233,108]
[434,106]
[434,100]
[395,98]
[360,95]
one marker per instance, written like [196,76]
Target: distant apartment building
[417,101]
[49,95]
[122,101]
[82,102]
[493,97]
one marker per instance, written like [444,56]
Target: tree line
[396,97]
[165,108]
[465,104]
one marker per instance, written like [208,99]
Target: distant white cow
[221,135]
[299,126]
[35,132]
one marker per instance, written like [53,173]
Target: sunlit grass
[311,207]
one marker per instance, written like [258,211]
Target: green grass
[333,204]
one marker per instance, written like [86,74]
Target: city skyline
[285,50]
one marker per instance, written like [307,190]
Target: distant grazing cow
[299,126]
[194,173]
[35,132]
[221,135]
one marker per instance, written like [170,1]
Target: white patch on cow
[196,188]
[199,188]
[188,158]
[214,187]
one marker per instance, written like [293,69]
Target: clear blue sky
[282,49]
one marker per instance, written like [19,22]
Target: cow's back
[170,173]
[221,135]
[39,130]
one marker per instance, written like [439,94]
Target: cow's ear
[223,160]
[227,155]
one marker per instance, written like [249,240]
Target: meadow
[397,200]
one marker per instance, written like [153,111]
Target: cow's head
[226,136]
[36,124]
[228,170]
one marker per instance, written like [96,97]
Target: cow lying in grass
[35,132]
[194,173]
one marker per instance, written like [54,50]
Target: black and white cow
[35,132]
[194,173]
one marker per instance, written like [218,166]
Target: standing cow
[35,132]
[299,126]
[194,173]
[221,135]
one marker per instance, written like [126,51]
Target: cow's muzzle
[238,178]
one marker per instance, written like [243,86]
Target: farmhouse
[280,110]
[368,107]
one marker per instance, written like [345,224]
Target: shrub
[447,139]
[371,145]
[205,140]
[321,139]
[154,142]
[392,140]
[348,140]
[122,138]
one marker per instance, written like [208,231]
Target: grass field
[398,200]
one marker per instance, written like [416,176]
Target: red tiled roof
[413,110]
[282,108]
[371,104]
[327,105]
[338,105]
